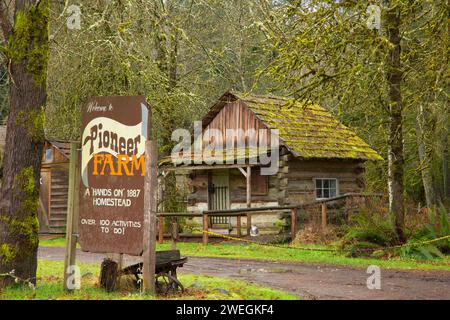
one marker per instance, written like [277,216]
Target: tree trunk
[173,60]
[19,196]
[424,158]
[396,157]
[445,156]
[445,152]
[445,169]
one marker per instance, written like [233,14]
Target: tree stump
[109,274]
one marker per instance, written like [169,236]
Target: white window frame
[315,187]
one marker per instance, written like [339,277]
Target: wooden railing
[291,211]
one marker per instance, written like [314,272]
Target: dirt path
[305,280]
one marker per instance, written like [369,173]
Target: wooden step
[58,212]
[60,227]
[59,197]
[60,187]
[59,175]
[60,182]
[55,219]
[57,230]
[59,201]
[61,190]
[57,224]
[59,193]
[62,211]
[58,206]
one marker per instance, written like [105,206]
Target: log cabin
[317,157]
[54,187]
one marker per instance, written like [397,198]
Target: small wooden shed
[319,158]
[54,187]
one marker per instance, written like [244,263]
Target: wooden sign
[114,134]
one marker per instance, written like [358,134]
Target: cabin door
[219,196]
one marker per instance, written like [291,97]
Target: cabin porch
[231,187]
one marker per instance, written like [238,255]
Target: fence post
[347,209]
[161,229]
[324,215]
[293,222]
[205,229]
[249,223]
[174,234]
[238,226]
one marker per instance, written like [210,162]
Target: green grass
[50,275]
[56,242]
[258,252]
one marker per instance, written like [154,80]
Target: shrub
[368,230]
[438,227]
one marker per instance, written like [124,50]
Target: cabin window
[326,188]
[49,155]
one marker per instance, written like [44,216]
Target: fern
[437,228]
[369,230]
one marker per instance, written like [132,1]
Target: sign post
[72,218]
[150,208]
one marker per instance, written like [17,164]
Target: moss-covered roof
[220,156]
[307,130]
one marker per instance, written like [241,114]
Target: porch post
[249,198]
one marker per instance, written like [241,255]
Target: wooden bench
[166,279]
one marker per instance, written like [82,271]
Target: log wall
[293,184]
[299,177]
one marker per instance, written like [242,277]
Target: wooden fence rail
[291,212]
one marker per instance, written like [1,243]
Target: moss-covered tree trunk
[446,153]
[27,50]
[423,135]
[396,156]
